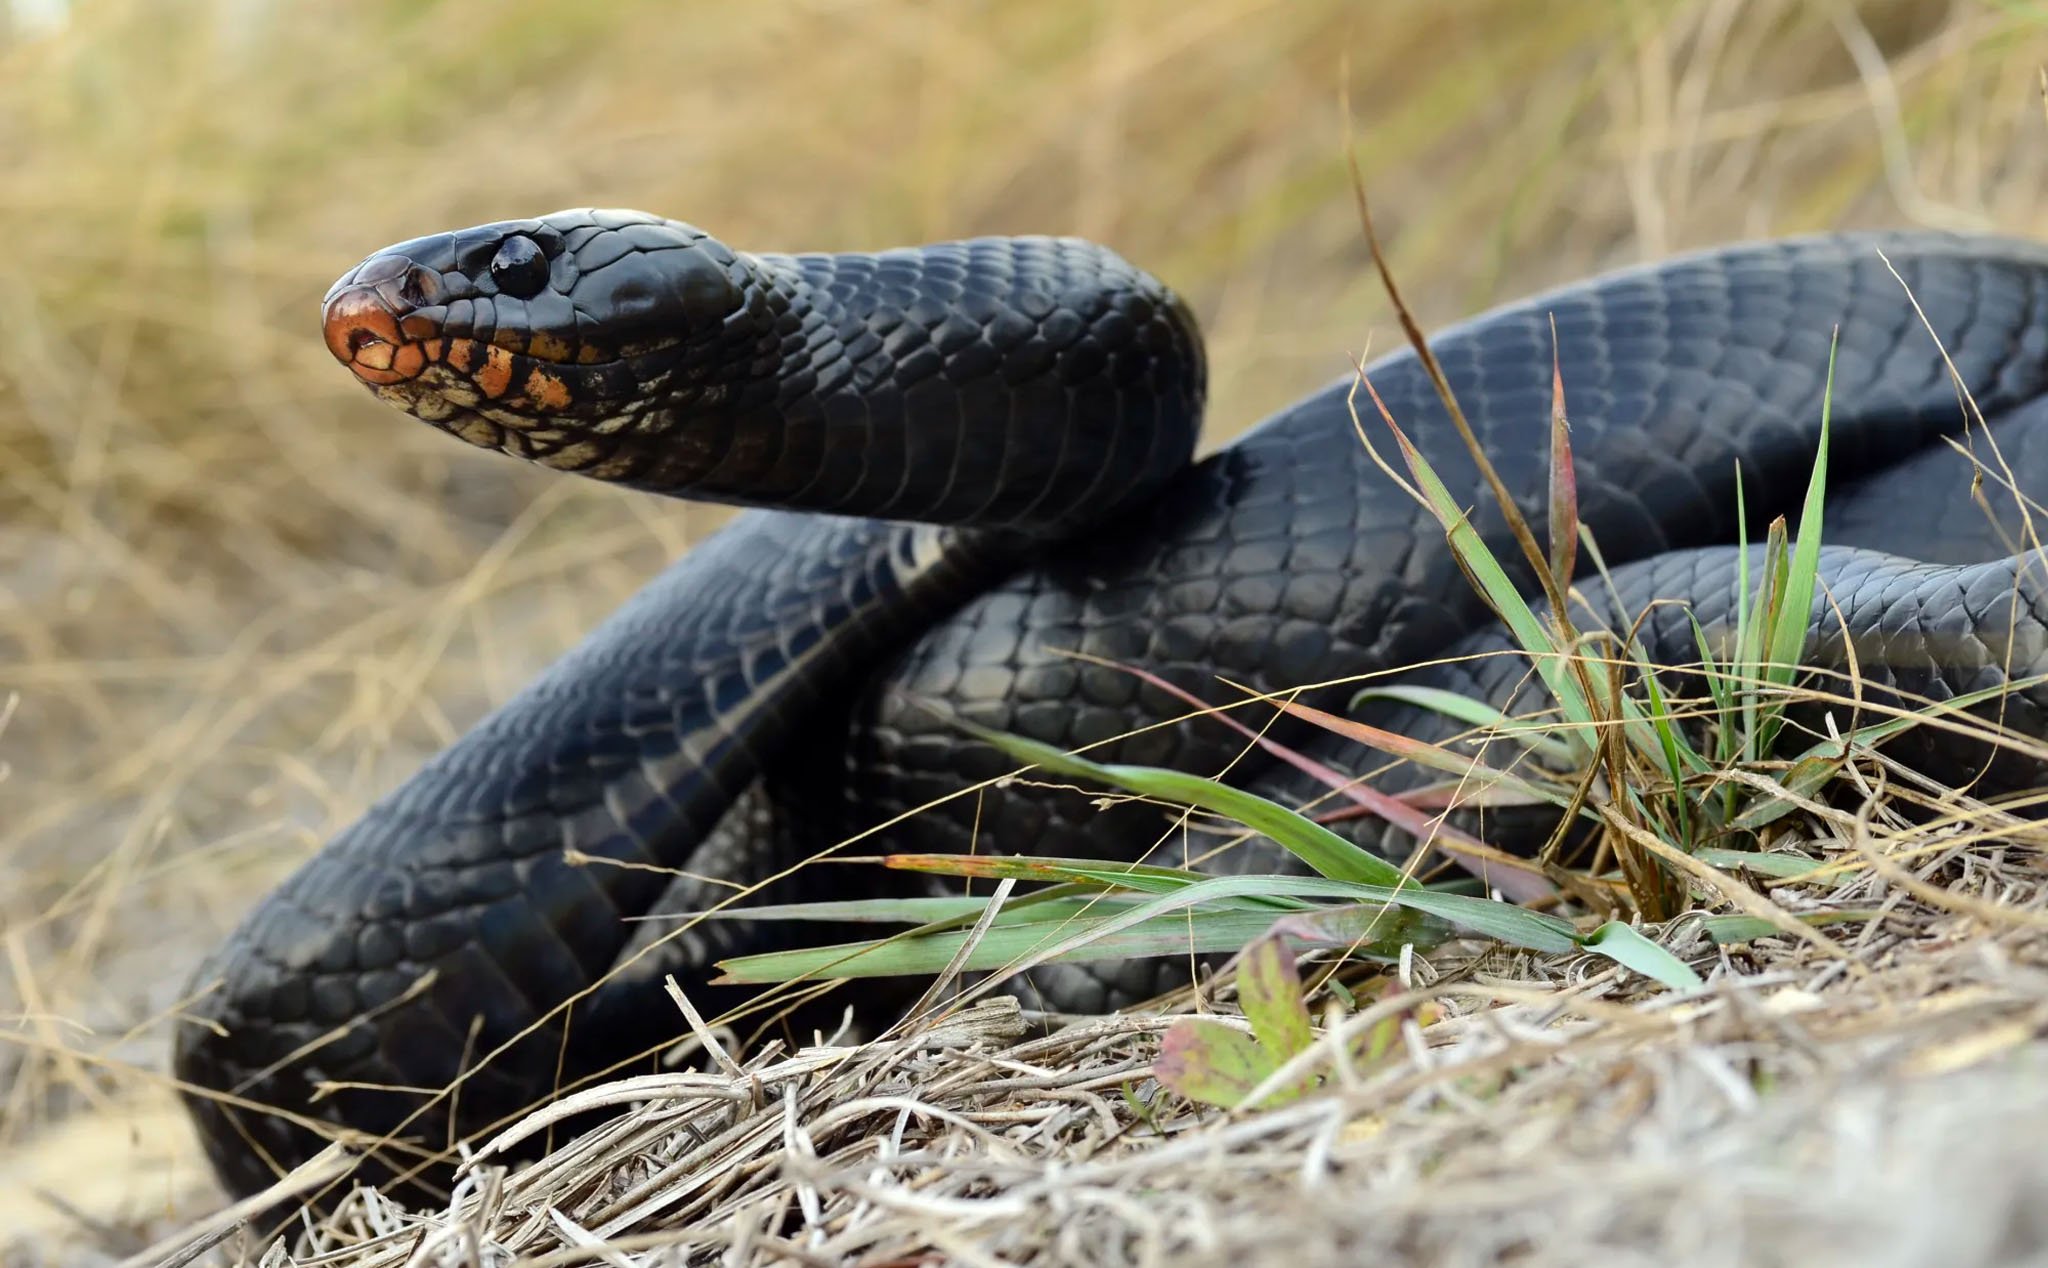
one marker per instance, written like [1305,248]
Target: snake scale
[968,462]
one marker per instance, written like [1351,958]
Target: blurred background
[239,598]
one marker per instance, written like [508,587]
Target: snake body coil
[979,453]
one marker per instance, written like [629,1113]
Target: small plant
[1218,1064]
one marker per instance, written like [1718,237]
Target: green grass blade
[1501,594]
[1314,844]
[1503,922]
[1784,867]
[1668,739]
[1804,778]
[1721,687]
[1753,667]
[1640,729]
[1165,925]
[1727,930]
[1070,941]
[1158,925]
[1877,731]
[1627,947]
[1788,635]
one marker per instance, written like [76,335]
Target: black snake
[978,456]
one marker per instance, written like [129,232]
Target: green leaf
[1269,992]
[1314,844]
[1210,1062]
[1629,948]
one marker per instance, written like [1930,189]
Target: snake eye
[519,268]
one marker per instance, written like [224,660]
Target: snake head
[545,337]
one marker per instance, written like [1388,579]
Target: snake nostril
[418,287]
[359,339]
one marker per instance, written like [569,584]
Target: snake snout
[370,319]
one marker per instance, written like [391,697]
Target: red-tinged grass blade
[1564,483]
[1378,803]
[1329,854]
[1453,794]
[1468,851]
[1145,878]
[1532,736]
[1055,903]
[1517,523]
[1476,773]
[1520,881]
[1471,853]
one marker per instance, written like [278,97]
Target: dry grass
[238,599]
[1557,1112]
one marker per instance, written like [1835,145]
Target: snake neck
[1024,384]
